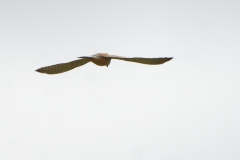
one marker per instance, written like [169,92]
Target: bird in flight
[100,59]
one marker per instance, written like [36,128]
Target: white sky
[185,109]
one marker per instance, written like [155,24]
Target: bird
[100,59]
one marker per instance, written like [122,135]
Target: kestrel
[100,59]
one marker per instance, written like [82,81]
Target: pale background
[186,109]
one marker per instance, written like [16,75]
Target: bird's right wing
[62,67]
[150,61]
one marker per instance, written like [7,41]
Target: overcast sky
[185,109]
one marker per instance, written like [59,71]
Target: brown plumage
[100,59]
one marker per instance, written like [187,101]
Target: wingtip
[169,58]
[39,70]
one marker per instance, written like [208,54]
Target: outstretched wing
[150,61]
[62,67]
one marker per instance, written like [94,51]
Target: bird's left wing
[62,67]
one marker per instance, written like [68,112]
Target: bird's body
[100,59]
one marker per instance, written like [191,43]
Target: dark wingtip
[39,70]
[169,58]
